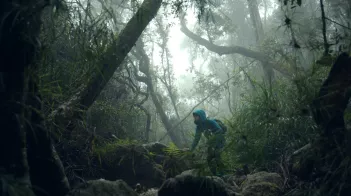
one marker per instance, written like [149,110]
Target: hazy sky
[181,60]
[180,54]
[181,57]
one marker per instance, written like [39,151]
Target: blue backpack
[221,124]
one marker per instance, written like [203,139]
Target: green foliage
[269,125]
[201,7]
[119,118]
[74,44]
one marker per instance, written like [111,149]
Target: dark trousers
[215,147]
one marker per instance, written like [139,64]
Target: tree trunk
[20,118]
[176,111]
[16,56]
[333,147]
[256,19]
[46,169]
[113,58]
[148,122]
[332,100]
[257,24]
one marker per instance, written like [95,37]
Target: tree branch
[223,50]
[326,45]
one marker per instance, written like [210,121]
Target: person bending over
[215,140]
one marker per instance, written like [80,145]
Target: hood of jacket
[201,114]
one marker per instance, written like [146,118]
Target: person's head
[196,117]
[199,116]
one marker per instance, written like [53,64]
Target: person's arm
[196,139]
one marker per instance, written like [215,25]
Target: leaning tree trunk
[113,58]
[20,104]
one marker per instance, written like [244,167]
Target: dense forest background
[84,76]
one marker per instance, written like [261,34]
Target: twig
[304,148]
[326,45]
[333,21]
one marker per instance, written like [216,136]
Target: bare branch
[223,50]
[326,45]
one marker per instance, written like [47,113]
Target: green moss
[262,188]
[108,152]
[111,146]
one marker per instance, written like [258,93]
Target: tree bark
[20,102]
[113,58]
[329,106]
[333,146]
[324,30]
[148,122]
[257,24]
[16,55]
[256,19]
[223,50]
[46,169]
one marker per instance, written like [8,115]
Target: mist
[158,96]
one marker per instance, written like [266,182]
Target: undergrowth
[273,123]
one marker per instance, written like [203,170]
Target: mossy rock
[234,180]
[131,163]
[103,188]
[156,148]
[262,184]
[263,176]
[188,185]
[261,189]
[147,164]
[150,192]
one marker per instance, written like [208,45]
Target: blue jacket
[203,125]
